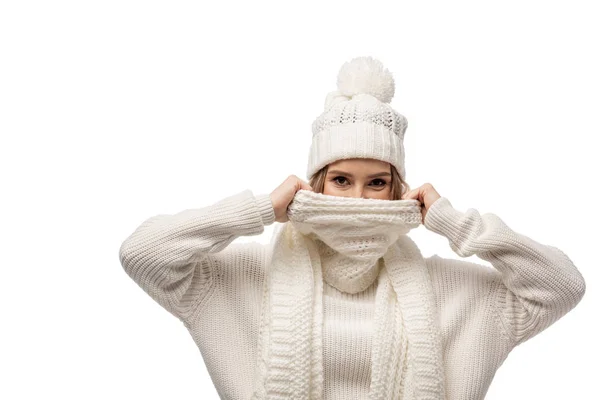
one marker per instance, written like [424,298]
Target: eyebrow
[335,171]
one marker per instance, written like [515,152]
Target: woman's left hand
[426,194]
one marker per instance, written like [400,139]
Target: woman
[341,304]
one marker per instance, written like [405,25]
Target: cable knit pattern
[187,264]
[352,233]
[406,354]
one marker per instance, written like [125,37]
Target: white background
[114,111]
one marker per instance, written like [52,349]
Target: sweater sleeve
[537,284]
[166,255]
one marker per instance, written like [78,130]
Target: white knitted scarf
[342,240]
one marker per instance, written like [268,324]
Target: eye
[338,177]
[383,182]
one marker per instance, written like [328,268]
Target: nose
[358,193]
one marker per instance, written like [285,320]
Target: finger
[411,194]
[305,186]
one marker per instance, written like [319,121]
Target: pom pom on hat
[358,121]
[366,75]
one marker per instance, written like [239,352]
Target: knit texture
[187,264]
[357,120]
[406,356]
[352,233]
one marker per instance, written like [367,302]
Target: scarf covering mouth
[340,240]
[352,233]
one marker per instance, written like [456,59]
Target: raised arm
[166,254]
[537,284]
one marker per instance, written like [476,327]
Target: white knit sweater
[187,263]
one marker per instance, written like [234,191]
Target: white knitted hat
[358,122]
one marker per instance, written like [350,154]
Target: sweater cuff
[265,206]
[443,218]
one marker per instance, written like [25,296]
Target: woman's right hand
[283,195]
